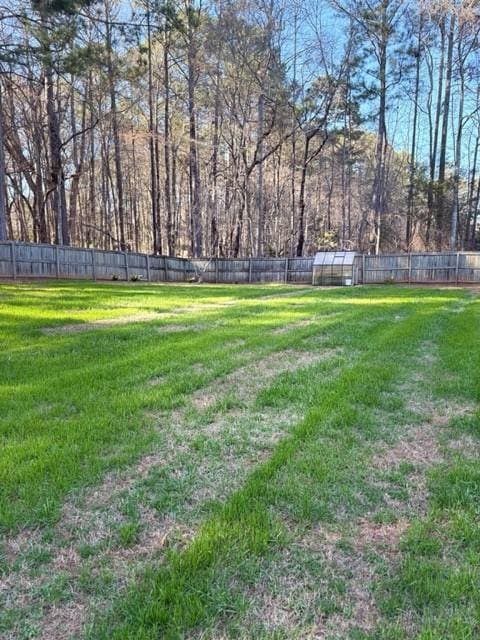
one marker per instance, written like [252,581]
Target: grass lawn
[218,462]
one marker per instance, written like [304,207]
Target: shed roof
[333,258]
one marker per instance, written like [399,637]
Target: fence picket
[14,260]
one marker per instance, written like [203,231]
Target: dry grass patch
[92,517]
[380,536]
[419,447]
[90,522]
[292,602]
[351,550]
[156,381]
[206,306]
[360,610]
[298,602]
[177,328]
[300,324]
[288,294]
[245,382]
[61,621]
[465,445]
[102,323]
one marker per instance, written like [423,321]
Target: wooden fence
[26,260]
[255,270]
[447,267]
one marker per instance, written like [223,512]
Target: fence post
[216,270]
[57,262]
[147,258]
[286,269]
[456,267]
[364,274]
[409,267]
[127,271]
[94,274]
[250,270]
[14,259]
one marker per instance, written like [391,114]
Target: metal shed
[334,268]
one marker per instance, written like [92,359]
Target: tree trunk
[443,142]
[91,176]
[167,147]
[151,140]
[194,177]
[57,176]
[476,210]
[471,194]
[436,130]
[458,159]
[3,195]
[119,181]
[78,153]
[301,200]
[411,177]
[214,239]
[260,187]
[380,149]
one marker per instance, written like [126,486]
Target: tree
[378,20]
[240,128]
[55,31]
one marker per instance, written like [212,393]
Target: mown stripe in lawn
[198,585]
[238,386]
[323,582]
[55,418]
[52,415]
[196,462]
[303,337]
[148,316]
[433,594]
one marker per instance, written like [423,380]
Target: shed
[334,268]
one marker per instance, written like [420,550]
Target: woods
[259,127]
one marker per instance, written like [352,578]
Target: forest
[241,127]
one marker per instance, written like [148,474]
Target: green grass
[248,479]
[439,575]
[75,405]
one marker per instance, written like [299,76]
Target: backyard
[268,462]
